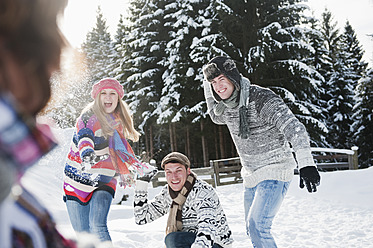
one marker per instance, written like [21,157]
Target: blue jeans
[91,218]
[262,203]
[182,240]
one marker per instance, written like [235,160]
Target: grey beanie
[222,65]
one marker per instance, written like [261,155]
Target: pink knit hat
[107,83]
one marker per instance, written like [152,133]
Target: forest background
[160,47]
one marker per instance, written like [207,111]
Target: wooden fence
[227,171]
[331,159]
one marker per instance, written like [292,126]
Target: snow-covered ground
[339,215]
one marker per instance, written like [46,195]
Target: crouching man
[195,216]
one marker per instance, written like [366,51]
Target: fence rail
[228,171]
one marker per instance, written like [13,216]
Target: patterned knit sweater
[266,154]
[87,138]
[202,213]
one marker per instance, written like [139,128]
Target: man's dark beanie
[222,65]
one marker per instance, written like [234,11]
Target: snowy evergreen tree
[99,50]
[347,70]
[161,64]
[330,43]
[354,52]
[318,61]
[142,58]
[181,79]
[341,103]
[363,115]
[119,46]
[331,38]
[187,51]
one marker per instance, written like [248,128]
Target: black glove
[148,176]
[310,177]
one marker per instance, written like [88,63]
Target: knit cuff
[141,185]
[207,89]
[304,158]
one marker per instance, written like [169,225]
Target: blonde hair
[125,118]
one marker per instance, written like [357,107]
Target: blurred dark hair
[30,34]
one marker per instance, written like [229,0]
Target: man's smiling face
[176,175]
[222,86]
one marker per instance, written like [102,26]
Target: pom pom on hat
[107,83]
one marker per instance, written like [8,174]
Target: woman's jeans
[262,203]
[182,240]
[91,218]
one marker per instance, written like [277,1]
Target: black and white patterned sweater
[202,213]
[266,153]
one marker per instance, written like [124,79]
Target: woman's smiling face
[109,100]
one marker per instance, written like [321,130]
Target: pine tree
[143,55]
[341,103]
[119,46]
[347,70]
[330,45]
[318,61]
[354,52]
[363,114]
[182,91]
[331,38]
[99,50]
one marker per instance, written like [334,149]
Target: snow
[339,214]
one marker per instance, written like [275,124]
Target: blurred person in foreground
[265,133]
[30,48]
[195,215]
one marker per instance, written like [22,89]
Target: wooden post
[213,173]
[217,172]
[355,160]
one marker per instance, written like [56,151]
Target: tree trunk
[216,141]
[174,136]
[171,137]
[204,146]
[187,142]
[222,142]
[151,144]
[146,141]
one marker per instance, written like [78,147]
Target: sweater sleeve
[84,137]
[207,221]
[275,111]
[144,211]
[211,104]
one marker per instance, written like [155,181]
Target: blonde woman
[98,157]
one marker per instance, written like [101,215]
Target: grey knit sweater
[266,154]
